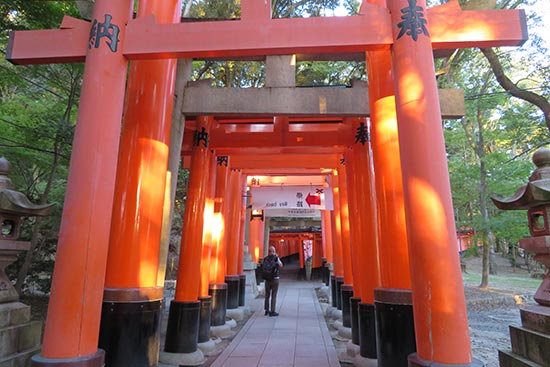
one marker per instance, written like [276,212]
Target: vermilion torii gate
[398,39]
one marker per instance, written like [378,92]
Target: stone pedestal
[19,337]
[540,246]
[530,341]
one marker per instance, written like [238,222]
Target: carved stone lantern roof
[536,192]
[15,202]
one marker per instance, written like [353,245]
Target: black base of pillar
[242,289]
[182,333]
[415,361]
[218,292]
[367,331]
[205,319]
[96,359]
[395,337]
[339,282]
[129,333]
[354,313]
[333,290]
[347,293]
[232,291]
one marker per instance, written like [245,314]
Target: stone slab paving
[299,336]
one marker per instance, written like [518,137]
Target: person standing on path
[270,272]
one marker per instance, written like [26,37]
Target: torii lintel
[256,34]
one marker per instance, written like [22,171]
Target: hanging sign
[293,213]
[292,197]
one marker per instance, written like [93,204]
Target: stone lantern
[531,340]
[14,205]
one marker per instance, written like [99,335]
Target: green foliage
[489,149]
[329,73]
[38,107]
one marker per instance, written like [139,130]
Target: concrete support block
[510,359]
[530,344]
[14,313]
[19,337]
[195,358]
[536,317]
[280,71]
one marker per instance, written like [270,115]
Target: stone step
[507,358]
[531,344]
[14,313]
[15,339]
[536,317]
[21,359]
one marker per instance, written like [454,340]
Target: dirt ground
[491,311]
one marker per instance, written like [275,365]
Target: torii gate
[406,28]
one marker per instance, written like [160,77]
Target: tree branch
[513,89]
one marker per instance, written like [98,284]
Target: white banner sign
[292,197]
[293,213]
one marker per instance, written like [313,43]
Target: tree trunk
[485,267]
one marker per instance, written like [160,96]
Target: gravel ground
[491,311]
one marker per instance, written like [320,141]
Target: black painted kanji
[362,135]
[105,29]
[223,160]
[201,136]
[413,22]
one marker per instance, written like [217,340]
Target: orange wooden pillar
[356,240]
[243,224]
[336,228]
[344,222]
[256,229]
[356,233]
[441,324]
[207,243]
[393,302]
[326,228]
[234,198]
[72,325]
[327,235]
[183,318]
[367,252]
[132,266]
[347,287]
[218,259]
[394,252]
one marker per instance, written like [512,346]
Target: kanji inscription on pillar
[106,30]
[201,135]
[414,22]
[362,135]
[223,160]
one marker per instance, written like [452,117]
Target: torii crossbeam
[450,28]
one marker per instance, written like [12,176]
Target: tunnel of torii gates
[392,227]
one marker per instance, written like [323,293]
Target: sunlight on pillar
[435,231]
[217,226]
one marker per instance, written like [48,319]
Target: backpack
[270,267]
